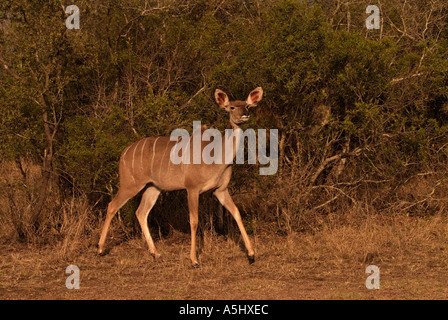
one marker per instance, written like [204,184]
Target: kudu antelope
[147,163]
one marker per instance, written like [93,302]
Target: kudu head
[239,110]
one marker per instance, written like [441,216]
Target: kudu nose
[245,115]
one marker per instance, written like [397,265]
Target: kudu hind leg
[193,204]
[149,198]
[226,200]
[117,202]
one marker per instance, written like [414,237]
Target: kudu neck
[235,145]
[232,125]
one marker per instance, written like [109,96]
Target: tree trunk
[47,163]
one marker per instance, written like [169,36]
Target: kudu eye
[232,108]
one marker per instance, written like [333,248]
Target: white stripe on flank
[163,159]
[169,161]
[124,153]
[141,154]
[153,154]
[133,156]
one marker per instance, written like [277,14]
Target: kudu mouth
[241,119]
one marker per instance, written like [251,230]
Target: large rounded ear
[255,96]
[221,98]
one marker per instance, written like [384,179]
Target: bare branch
[324,163]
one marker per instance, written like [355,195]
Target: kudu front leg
[193,205]
[226,200]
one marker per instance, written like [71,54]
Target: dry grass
[326,258]
[412,254]
[66,224]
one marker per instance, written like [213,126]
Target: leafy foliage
[135,69]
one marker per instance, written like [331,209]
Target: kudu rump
[147,163]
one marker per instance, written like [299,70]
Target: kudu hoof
[251,259]
[156,255]
[102,252]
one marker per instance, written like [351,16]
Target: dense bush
[361,113]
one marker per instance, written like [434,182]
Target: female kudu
[147,163]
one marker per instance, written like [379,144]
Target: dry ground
[411,253]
